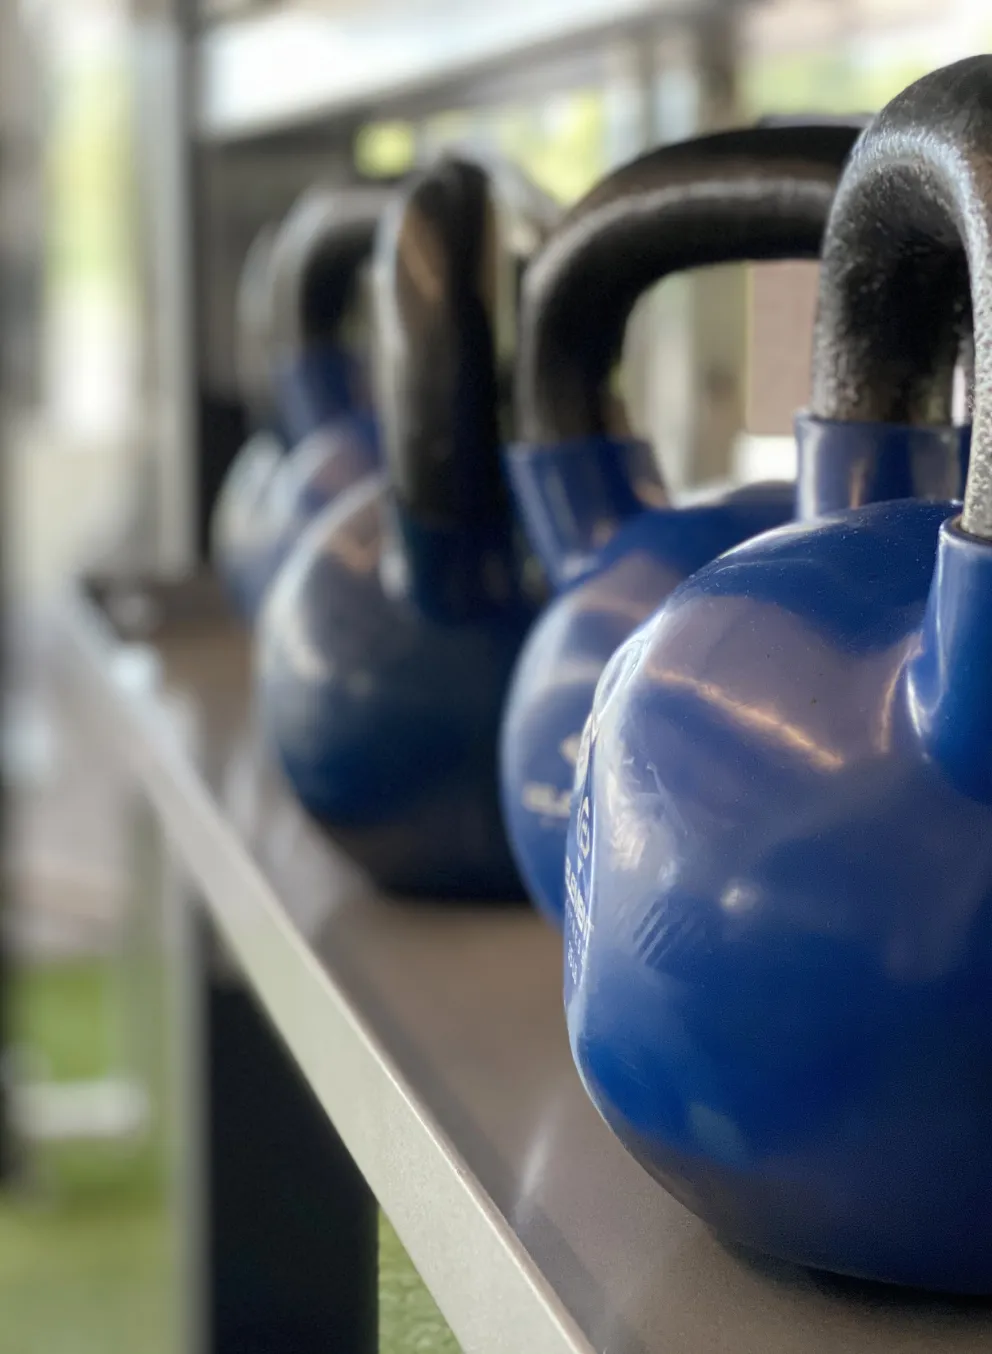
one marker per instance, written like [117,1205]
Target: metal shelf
[299,66]
[433,1038]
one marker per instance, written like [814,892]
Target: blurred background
[142,144]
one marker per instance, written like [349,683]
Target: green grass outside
[85,1246]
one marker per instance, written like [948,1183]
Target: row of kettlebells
[741,749]
[405,558]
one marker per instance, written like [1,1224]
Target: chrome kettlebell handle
[753,194]
[316,256]
[907,268]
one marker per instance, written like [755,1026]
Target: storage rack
[337,1048]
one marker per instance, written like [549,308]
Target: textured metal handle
[445,301]
[753,194]
[907,268]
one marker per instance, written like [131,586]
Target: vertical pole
[4,462]
[164,106]
[685,355]
[659,352]
[629,130]
[277,1229]
[718,306]
[628,96]
[5,1156]
[19,362]
[284,1255]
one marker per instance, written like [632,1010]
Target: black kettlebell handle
[894,307]
[758,193]
[317,252]
[448,260]
[907,267]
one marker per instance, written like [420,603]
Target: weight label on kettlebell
[576,901]
[577,922]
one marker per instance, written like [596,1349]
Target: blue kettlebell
[388,639]
[245,484]
[594,504]
[316,368]
[779,861]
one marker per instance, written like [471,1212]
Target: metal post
[4,461]
[162,87]
[278,1234]
[287,1240]
[629,130]
[20,352]
[685,356]
[277,1231]
[718,298]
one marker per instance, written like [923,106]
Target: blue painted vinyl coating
[954,717]
[317,387]
[848,464]
[240,511]
[624,579]
[779,878]
[270,495]
[585,508]
[572,496]
[384,652]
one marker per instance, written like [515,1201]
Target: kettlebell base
[746,1219]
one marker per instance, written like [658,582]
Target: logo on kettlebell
[583,835]
[573,891]
[578,924]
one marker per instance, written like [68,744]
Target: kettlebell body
[594,505]
[280,480]
[386,711]
[388,638]
[240,507]
[777,933]
[292,490]
[618,586]
[779,860]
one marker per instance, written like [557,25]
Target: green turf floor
[85,1252]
